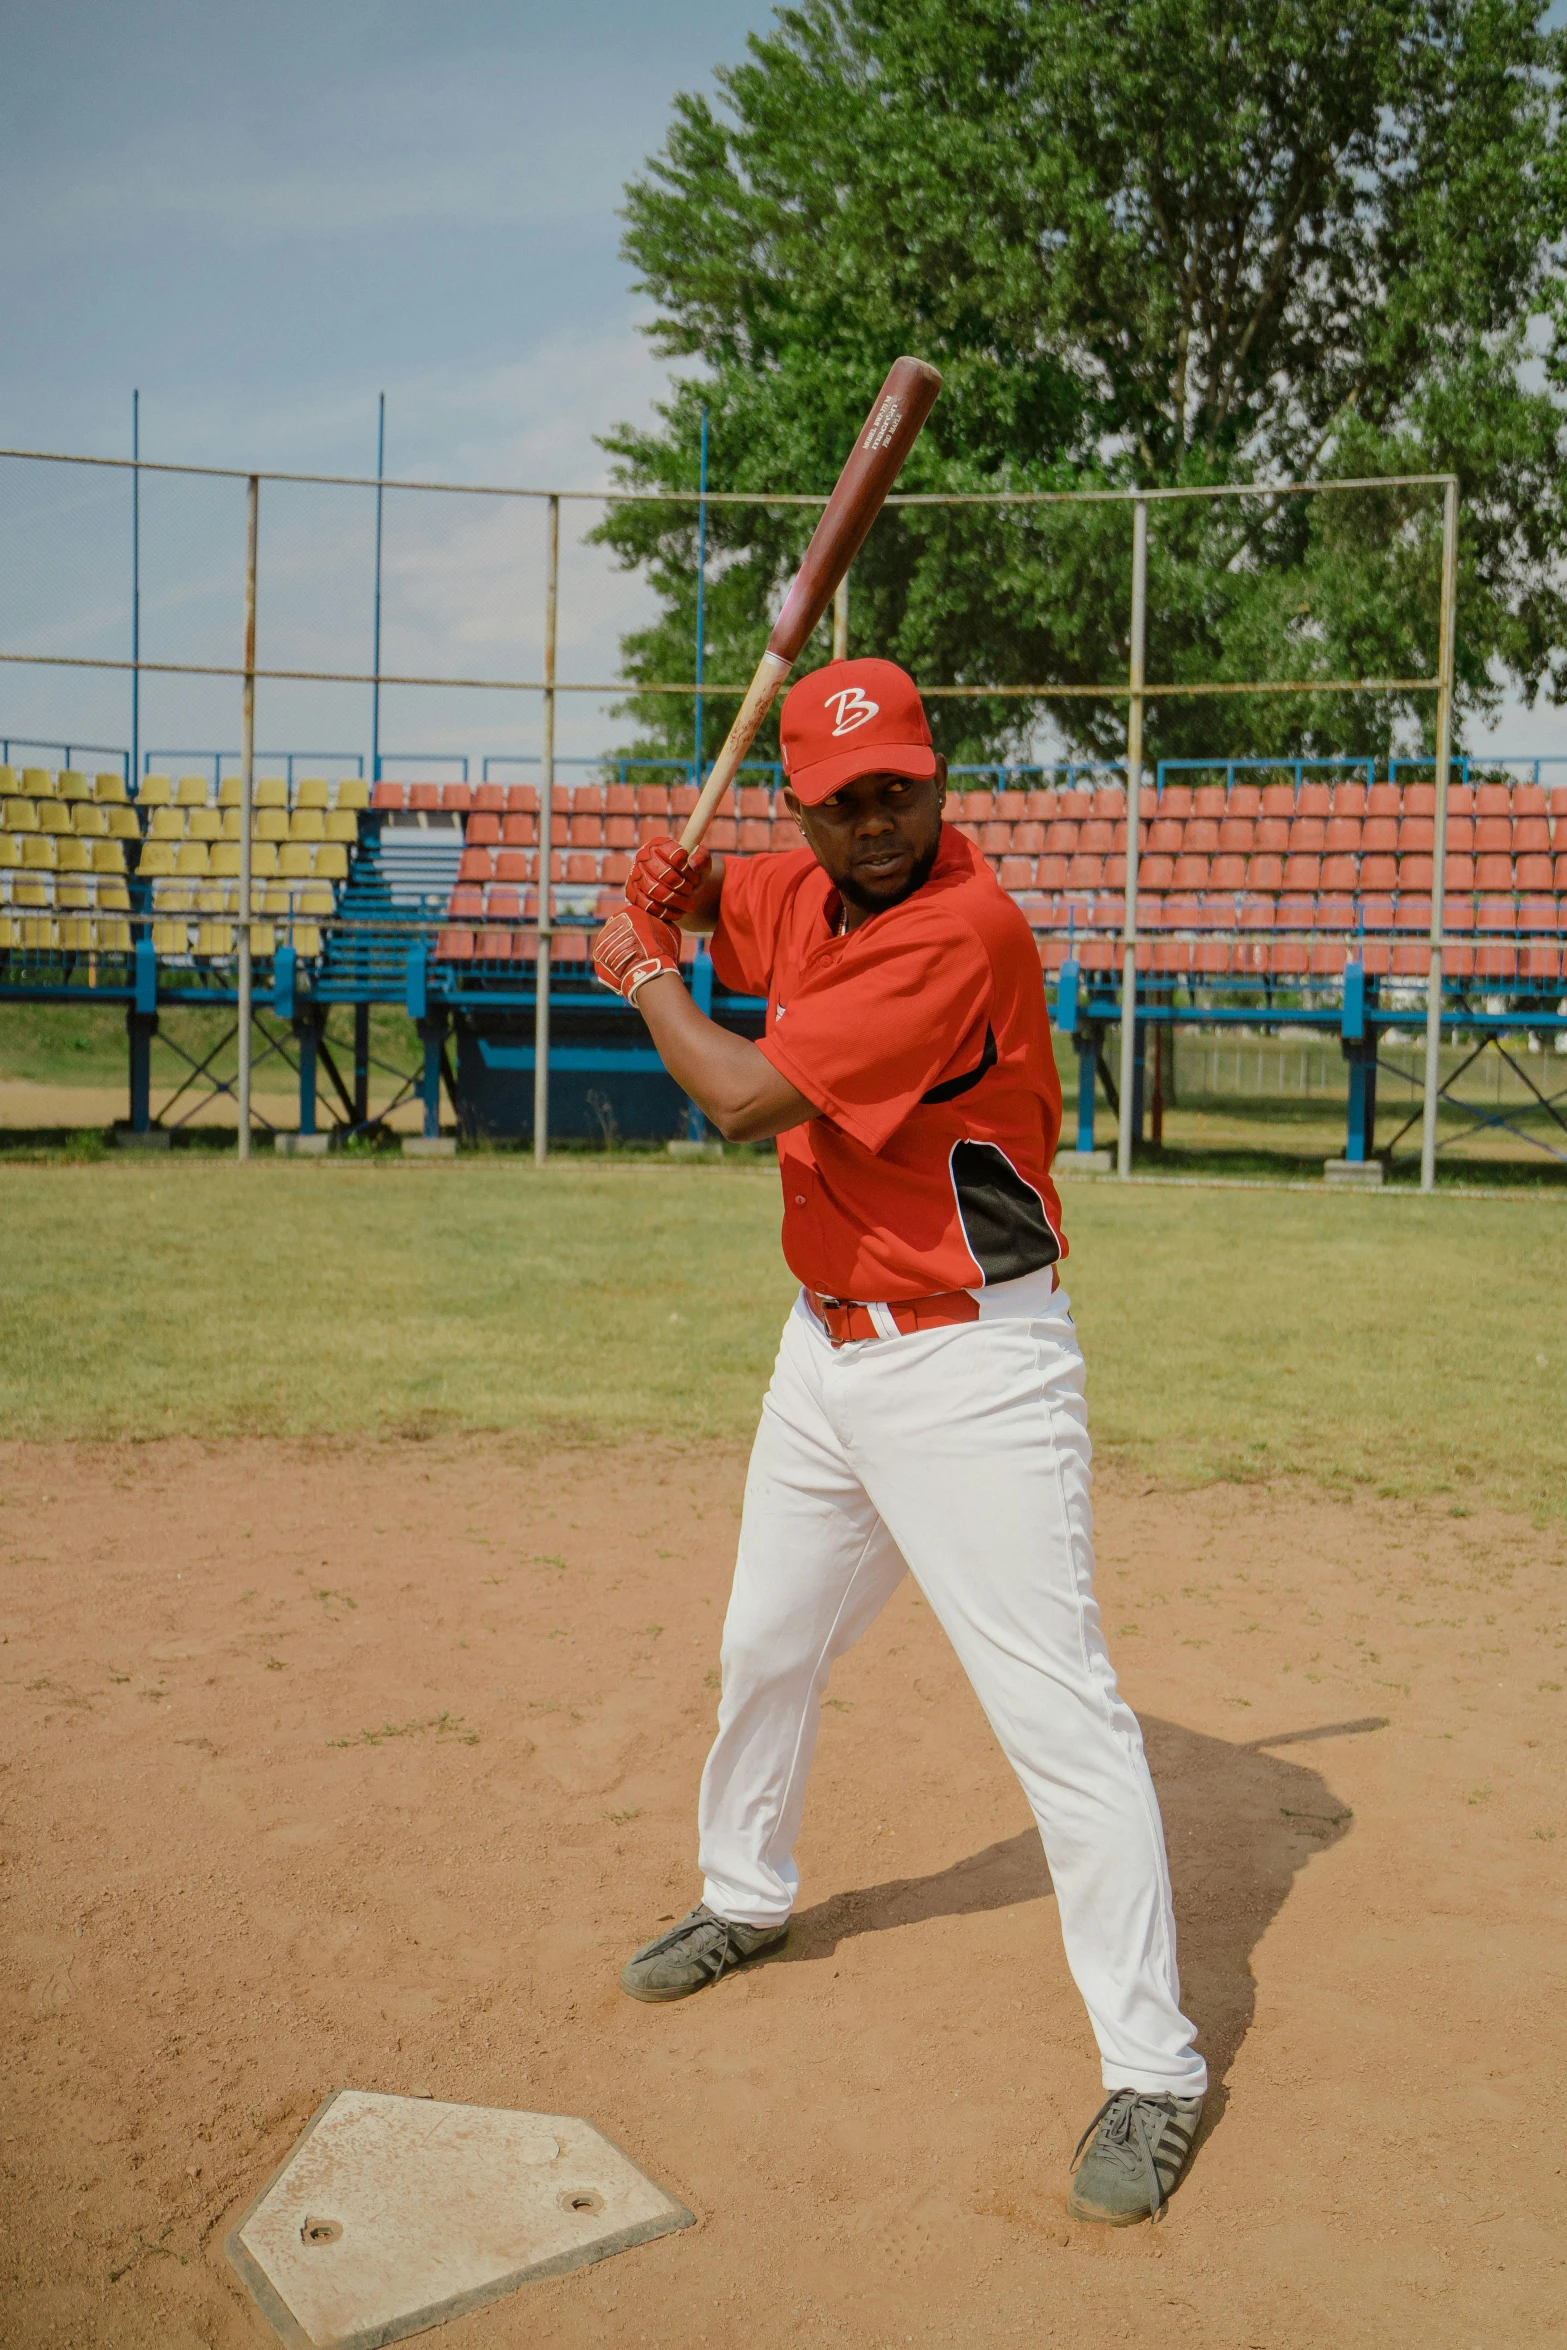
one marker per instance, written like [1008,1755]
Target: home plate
[395,2213]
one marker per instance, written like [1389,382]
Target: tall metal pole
[247,794]
[541,1012]
[375,663]
[1444,756]
[701,595]
[135,592]
[840,620]
[1134,786]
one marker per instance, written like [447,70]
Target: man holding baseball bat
[926,1410]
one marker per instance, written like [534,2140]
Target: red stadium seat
[1338,873]
[489,799]
[475,865]
[1415,873]
[1109,802]
[1308,836]
[1493,836]
[1191,872]
[1349,799]
[1237,835]
[1537,913]
[1379,873]
[1115,872]
[1335,911]
[456,798]
[1278,799]
[1458,913]
[616,866]
[1244,799]
[584,832]
[683,798]
[1495,958]
[483,831]
[1460,800]
[467,899]
[620,832]
[454,946]
[516,864]
[1210,957]
[424,795]
[1493,872]
[1061,836]
[1416,833]
[1265,872]
[723,834]
[1384,799]
[1075,805]
[1411,960]
[1227,873]
[1459,872]
[1343,836]
[1155,872]
[1540,960]
[502,903]
[1420,799]
[1172,955]
[1328,957]
[389,795]
[1050,872]
[522,799]
[1458,961]
[1532,873]
[1558,801]
[756,834]
[1201,838]
[1164,837]
[1175,801]
[1496,913]
[520,832]
[783,834]
[1379,836]
[1461,834]
[1315,800]
[652,799]
[1085,872]
[1376,913]
[1017,873]
[1289,958]
[1096,838]
[620,799]
[1494,799]
[1028,837]
[1560,872]
[581,865]
[1273,836]
[1302,872]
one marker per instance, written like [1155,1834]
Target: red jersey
[923,1038]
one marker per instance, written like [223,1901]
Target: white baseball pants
[963,1454]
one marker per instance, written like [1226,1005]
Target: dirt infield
[365,1766]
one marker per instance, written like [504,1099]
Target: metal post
[701,596]
[361,1064]
[375,657]
[541,1011]
[135,773]
[247,794]
[1444,753]
[840,620]
[1134,785]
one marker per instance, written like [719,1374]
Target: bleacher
[68,842]
[1238,881]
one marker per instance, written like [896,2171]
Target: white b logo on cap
[854,709]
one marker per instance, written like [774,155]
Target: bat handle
[761,693]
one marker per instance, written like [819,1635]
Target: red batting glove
[632,948]
[665,878]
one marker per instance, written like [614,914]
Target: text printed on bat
[885,422]
[854,708]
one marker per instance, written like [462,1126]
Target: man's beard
[871,902]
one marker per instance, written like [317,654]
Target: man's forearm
[737,1086]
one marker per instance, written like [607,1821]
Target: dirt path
[365,1767]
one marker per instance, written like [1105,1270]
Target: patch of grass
[1363,1342]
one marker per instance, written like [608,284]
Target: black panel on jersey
[949,1090]
[1003,1217]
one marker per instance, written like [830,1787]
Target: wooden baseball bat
[891,430]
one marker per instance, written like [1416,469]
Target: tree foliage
[1165,243]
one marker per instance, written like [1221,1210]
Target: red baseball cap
[852,718]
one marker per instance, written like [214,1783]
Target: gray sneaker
[1140,2148]
[695,1953]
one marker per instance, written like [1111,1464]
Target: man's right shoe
[695,1953]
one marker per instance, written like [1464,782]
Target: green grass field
[1415,1345]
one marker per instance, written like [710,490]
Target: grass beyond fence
[1411,1344]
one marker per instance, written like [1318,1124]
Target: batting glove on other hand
[632,948]
[665,878]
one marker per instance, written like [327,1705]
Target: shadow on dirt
[1241,1822]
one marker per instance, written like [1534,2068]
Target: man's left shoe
[1140,2148]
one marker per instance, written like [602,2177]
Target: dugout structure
[1312,895]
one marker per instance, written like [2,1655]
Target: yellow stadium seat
[38,850]
[115,896]
[108,787]
[157,856]
[156,791]
[214,938]
[53,816]
[231,817]
[73,893]
[311,792]
[224,857]
[108,856]
[263,858]
[32,893]
[307,824]
[229,793]
[263,939]
[115,937]
[173,897]
[192,792]
[331,862]
[8,783]
[72,855]
[10,932]
[307,939]
[353,792]
[38,783]
[79,935]
[10,851]
[123,824]
[20,815]
[191,856]
[293,859]
[89,821]
[73,784]
[271,824]
[316,899]
[212,898]
[274,898]
[167,824]
[38,932]
[170,938]
[270,792]
[205,824]
[342,824]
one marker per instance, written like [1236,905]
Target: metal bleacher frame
[1104,966]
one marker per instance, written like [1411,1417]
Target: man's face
[876,838]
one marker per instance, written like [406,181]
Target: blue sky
[263,217]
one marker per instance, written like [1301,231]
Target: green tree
[1176,242]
